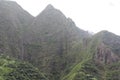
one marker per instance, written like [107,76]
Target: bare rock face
[105,55]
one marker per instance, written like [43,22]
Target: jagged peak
[49,6]
[50,10]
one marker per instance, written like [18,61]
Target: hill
[55,45]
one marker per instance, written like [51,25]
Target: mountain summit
[54,35]
[55,45]
[49,6]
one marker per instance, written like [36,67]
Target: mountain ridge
[56,46]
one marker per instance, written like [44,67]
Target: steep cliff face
[107,51]
[52,22]
[53,37]
[13,20]
[105,55]
[102,59]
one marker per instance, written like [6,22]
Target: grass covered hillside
[11,69]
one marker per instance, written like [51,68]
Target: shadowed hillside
[13,22]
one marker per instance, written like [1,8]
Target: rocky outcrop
[105,55]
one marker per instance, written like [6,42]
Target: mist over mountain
[13,21]
[54,45]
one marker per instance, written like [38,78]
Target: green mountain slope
[103,61]
[55,45]
[54,37]
[11,69]
[13,23]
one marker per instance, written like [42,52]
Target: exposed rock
[104,55]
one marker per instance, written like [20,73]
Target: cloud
[111,4]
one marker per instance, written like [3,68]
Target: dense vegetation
[11,69]
[57,48]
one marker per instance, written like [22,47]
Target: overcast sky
[90,15]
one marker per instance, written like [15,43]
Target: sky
[89,15]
